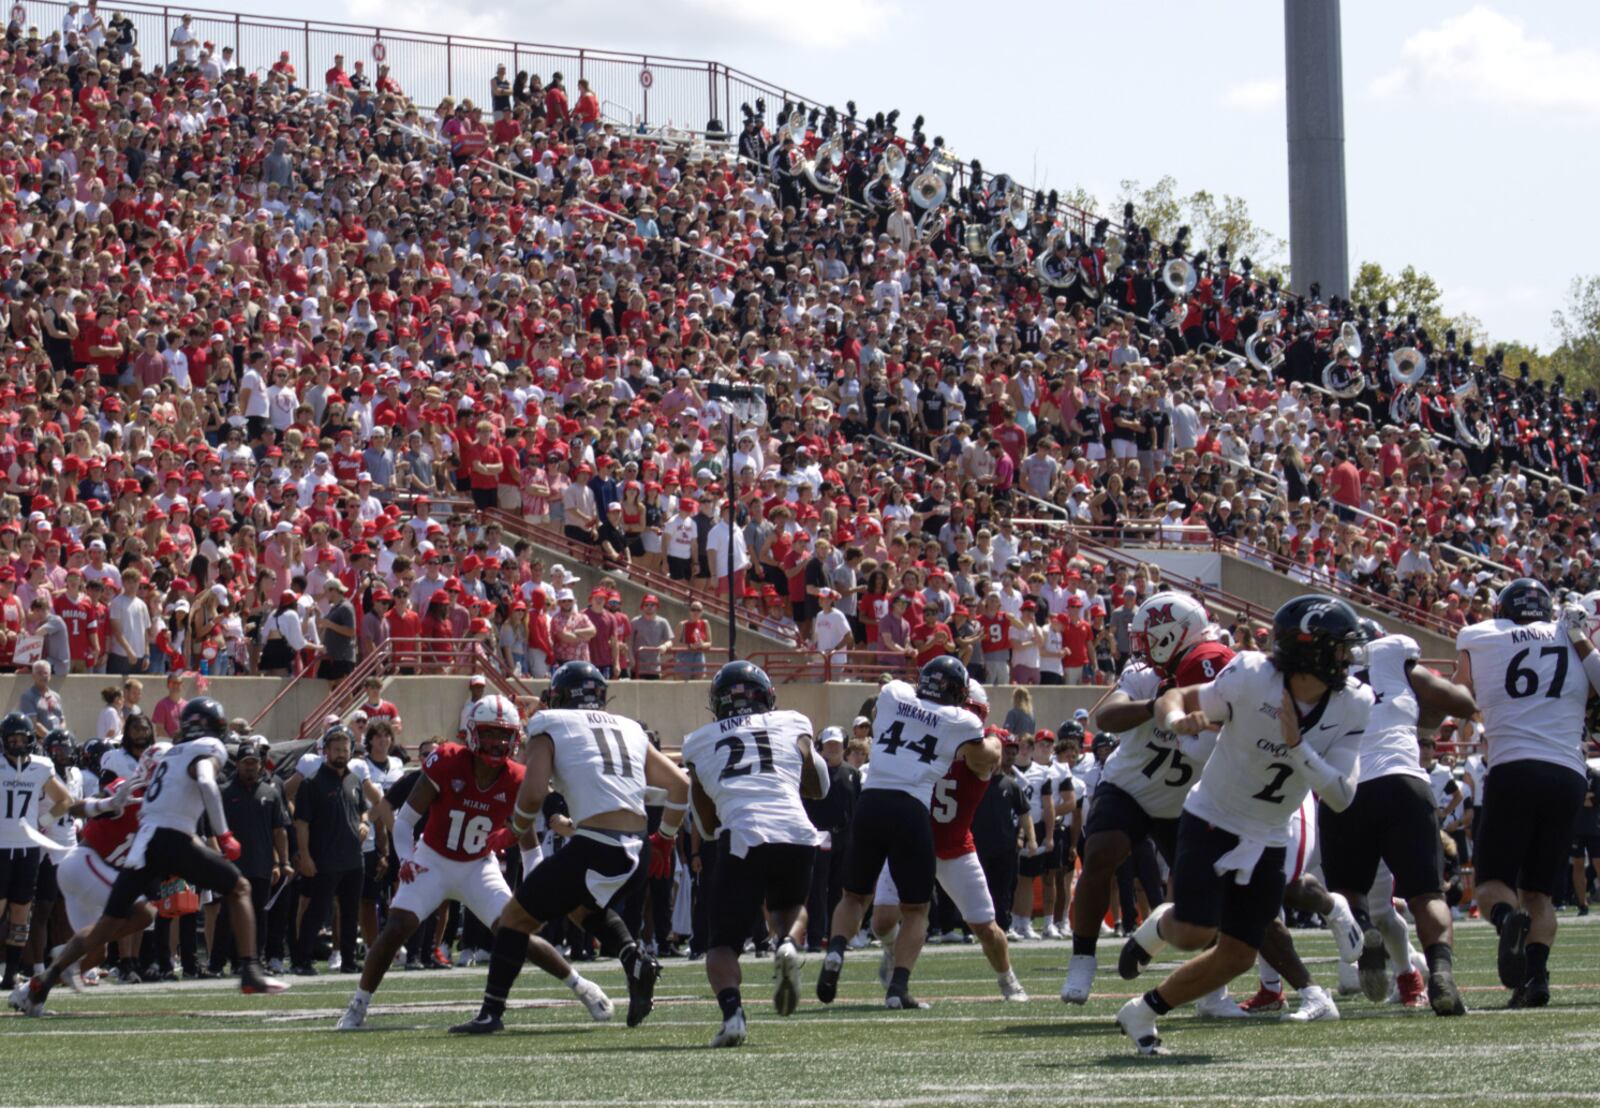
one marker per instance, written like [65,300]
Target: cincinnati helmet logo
[1313,613]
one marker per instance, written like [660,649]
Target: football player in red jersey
[955,799]
[466,795]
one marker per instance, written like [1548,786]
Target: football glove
[229,846]
[500,839]
[660,855]
[409,871]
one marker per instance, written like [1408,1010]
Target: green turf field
[202,1043]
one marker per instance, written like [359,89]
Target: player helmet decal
[943,681]
[741,689]
[492,727]
[1317,635]
[577,685]
[1165,626]
[1524,601]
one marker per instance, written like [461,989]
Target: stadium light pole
[1314,99]
[751,399]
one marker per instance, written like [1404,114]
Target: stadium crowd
[276,345]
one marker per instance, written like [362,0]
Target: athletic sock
[1440,957]
[614,935]
[363,995]
[506,956]
[730,1003]
[900,980]
[1538,961]
[1271,980]
[13,960]
[1081,947]
[572,980]
[837,944]
[1396,939]
[1499,914]
[1156,1004]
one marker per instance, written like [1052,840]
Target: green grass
[202,1043]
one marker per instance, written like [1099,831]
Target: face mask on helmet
[493,743]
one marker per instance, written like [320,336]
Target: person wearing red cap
[651,639]
[681,534]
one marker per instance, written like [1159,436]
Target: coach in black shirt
[994,832]
[258,816]
[329,823]
[831,814]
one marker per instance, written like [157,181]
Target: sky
[1472,130]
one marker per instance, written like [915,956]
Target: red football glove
[409,871]
[229,846]
[661,855]
[500,839]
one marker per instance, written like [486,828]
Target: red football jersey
[1202,663]
[462,816]
[110,836]
[955,799]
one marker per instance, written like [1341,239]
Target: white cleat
[886,965]
[355,1015]
[1349,979]
[1219,1005]
[91,978]
[594,998]
[861,940]
[1138,1022]
[18,1000]
[786,965]
[1011,989]
[466,956]
[1051,931]
[1347,933]
[732,1032]
[1315,1004]
[335,962]
[1026,932]
[1080,979]
[71,976]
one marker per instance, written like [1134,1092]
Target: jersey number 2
[925,748]
[736,747]
[1273,793]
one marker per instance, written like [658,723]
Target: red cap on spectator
[287,597]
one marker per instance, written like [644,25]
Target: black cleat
[1513,961]
[480,1024]
[901,1000]
[1132,960]
[1534,993]
[1372,967]
[1443,996]
[642,977]
[828,978]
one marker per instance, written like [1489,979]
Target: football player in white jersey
[61,748]
[1143,783]
[1519,667]
[1033,773]
[601,764]
[27,780]
[917,732]
[1287,723]
[138,736]
[181,789]
[748,771]
[1071,809]
[1392,819]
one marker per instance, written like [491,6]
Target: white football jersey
[1037,780]
[21,795]
[750,767]
[914,741]
[65,829]
[172,798]
[599,759]
[1248,786]
[120,762]
[1069,787]
[1147,764]
[1531,689]
[1390,744]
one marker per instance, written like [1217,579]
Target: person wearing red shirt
[336,80]
[508,490]
[1076,638]
[1344,485]
[405,631]
[555,103]
[587,110]
[481,461]
[77,611]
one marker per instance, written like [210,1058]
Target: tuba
[893,163]
[822,171]
[1052,270]
[1116,250]
[1350,339]
[1017,209]
[929,189]
[1407,366]
[1344,382]
[1264,348]
[931,225]
[1405,406]
[1180,276]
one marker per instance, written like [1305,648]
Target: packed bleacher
[298,368]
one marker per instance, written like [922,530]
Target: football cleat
[1372,965]
[1265,1000]
[91,978]
[732,1032]
[1133,959]
[355,1015]
[901,1000]
[1443,996]
[1347,934]
[1080,979]
[1315,1004]
[1533,993]
[335,962]
[642,977]
[1138,1022]
[786,970]
[1412,989]
[594,998]
[252,982]
[1025,931]
[1218,1005]
[17,999]
[480,1024]
[1349,979]
[1010,988]
[828,979]
[1513,960]
[886,965]
[1143,945]
[28,997]
[1051,931]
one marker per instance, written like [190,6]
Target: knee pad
[17,933]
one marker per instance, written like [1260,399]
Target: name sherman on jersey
[1531,689]
[1390,744]
[1251,785]
[599,759]
[750,767]
[21,794]
[1147,764]
[914,741]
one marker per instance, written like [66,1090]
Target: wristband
[670,830]
[1169,722]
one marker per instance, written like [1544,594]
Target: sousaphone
[1264,348]
[1180,276]
[1407,366]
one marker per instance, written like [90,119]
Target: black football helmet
[577,685]
[741,689]
[138,734]
[16,734]
[61,742]
[943,680]
[93,751]
[1072,730]
[1316,635]
[202,718]
[1524,601]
